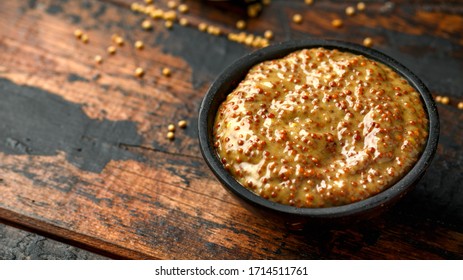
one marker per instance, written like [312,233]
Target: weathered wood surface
[83,152]
[17,244]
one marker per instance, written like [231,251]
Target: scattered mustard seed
[170,135]
[256,42]
[309,2]
[241,24]
[139,45]
[254,9]
[249,39]
[172,4]
[119,40]
[337,23]
[297,18]
[146,24]
[183,8]
[157,14]
[183,22]
[111,49]
[168,24]
[78,33]
[149,1]
[166,71]
[214,30]
[142,9]
[84,38]
[460,106]
[170,15]
[98,59]
[368,42]
[361,6]
[135,7]
[438,98]
[171,127]
[266,2]
[202,26]
[350,11]
[139,72]
[264,43]
[445,100]
[268,34]
[183,123]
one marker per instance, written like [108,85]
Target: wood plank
[83,152]
[17,244]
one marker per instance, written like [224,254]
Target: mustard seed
[361,6]
[135,7]
[170,135]
[438,98]
[139,72]
[445,100]
[142,9]
[157,14]
[168,24]
[172,4]
[253,10]
[183,8]
[202,26]
[146,24]
[139,45]
[297,18]
[368,42]
[249,39]
[98,59]
[264,43]
[337,23]
[111,49]
[84,38]
[183,22]
[213,30]
[183,123]
[166,71]
[268,34]
[266,2]
[309,2]
[171,127]
[119,40]
[149,2]
[241,24]
[460,105]
[170,15]
[350,11]
[78,33]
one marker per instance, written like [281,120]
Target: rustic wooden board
[83,152]
[17,244]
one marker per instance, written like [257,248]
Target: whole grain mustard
[320,128]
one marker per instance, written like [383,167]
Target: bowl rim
[241,67]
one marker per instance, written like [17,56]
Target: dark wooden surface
[84,157]
[17,244]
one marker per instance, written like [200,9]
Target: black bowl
[229,79]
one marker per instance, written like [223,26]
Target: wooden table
[84,156]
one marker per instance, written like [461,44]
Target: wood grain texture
[16,244]
[83,152]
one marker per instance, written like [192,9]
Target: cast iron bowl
[229,79]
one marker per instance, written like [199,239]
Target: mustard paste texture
[320,128]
